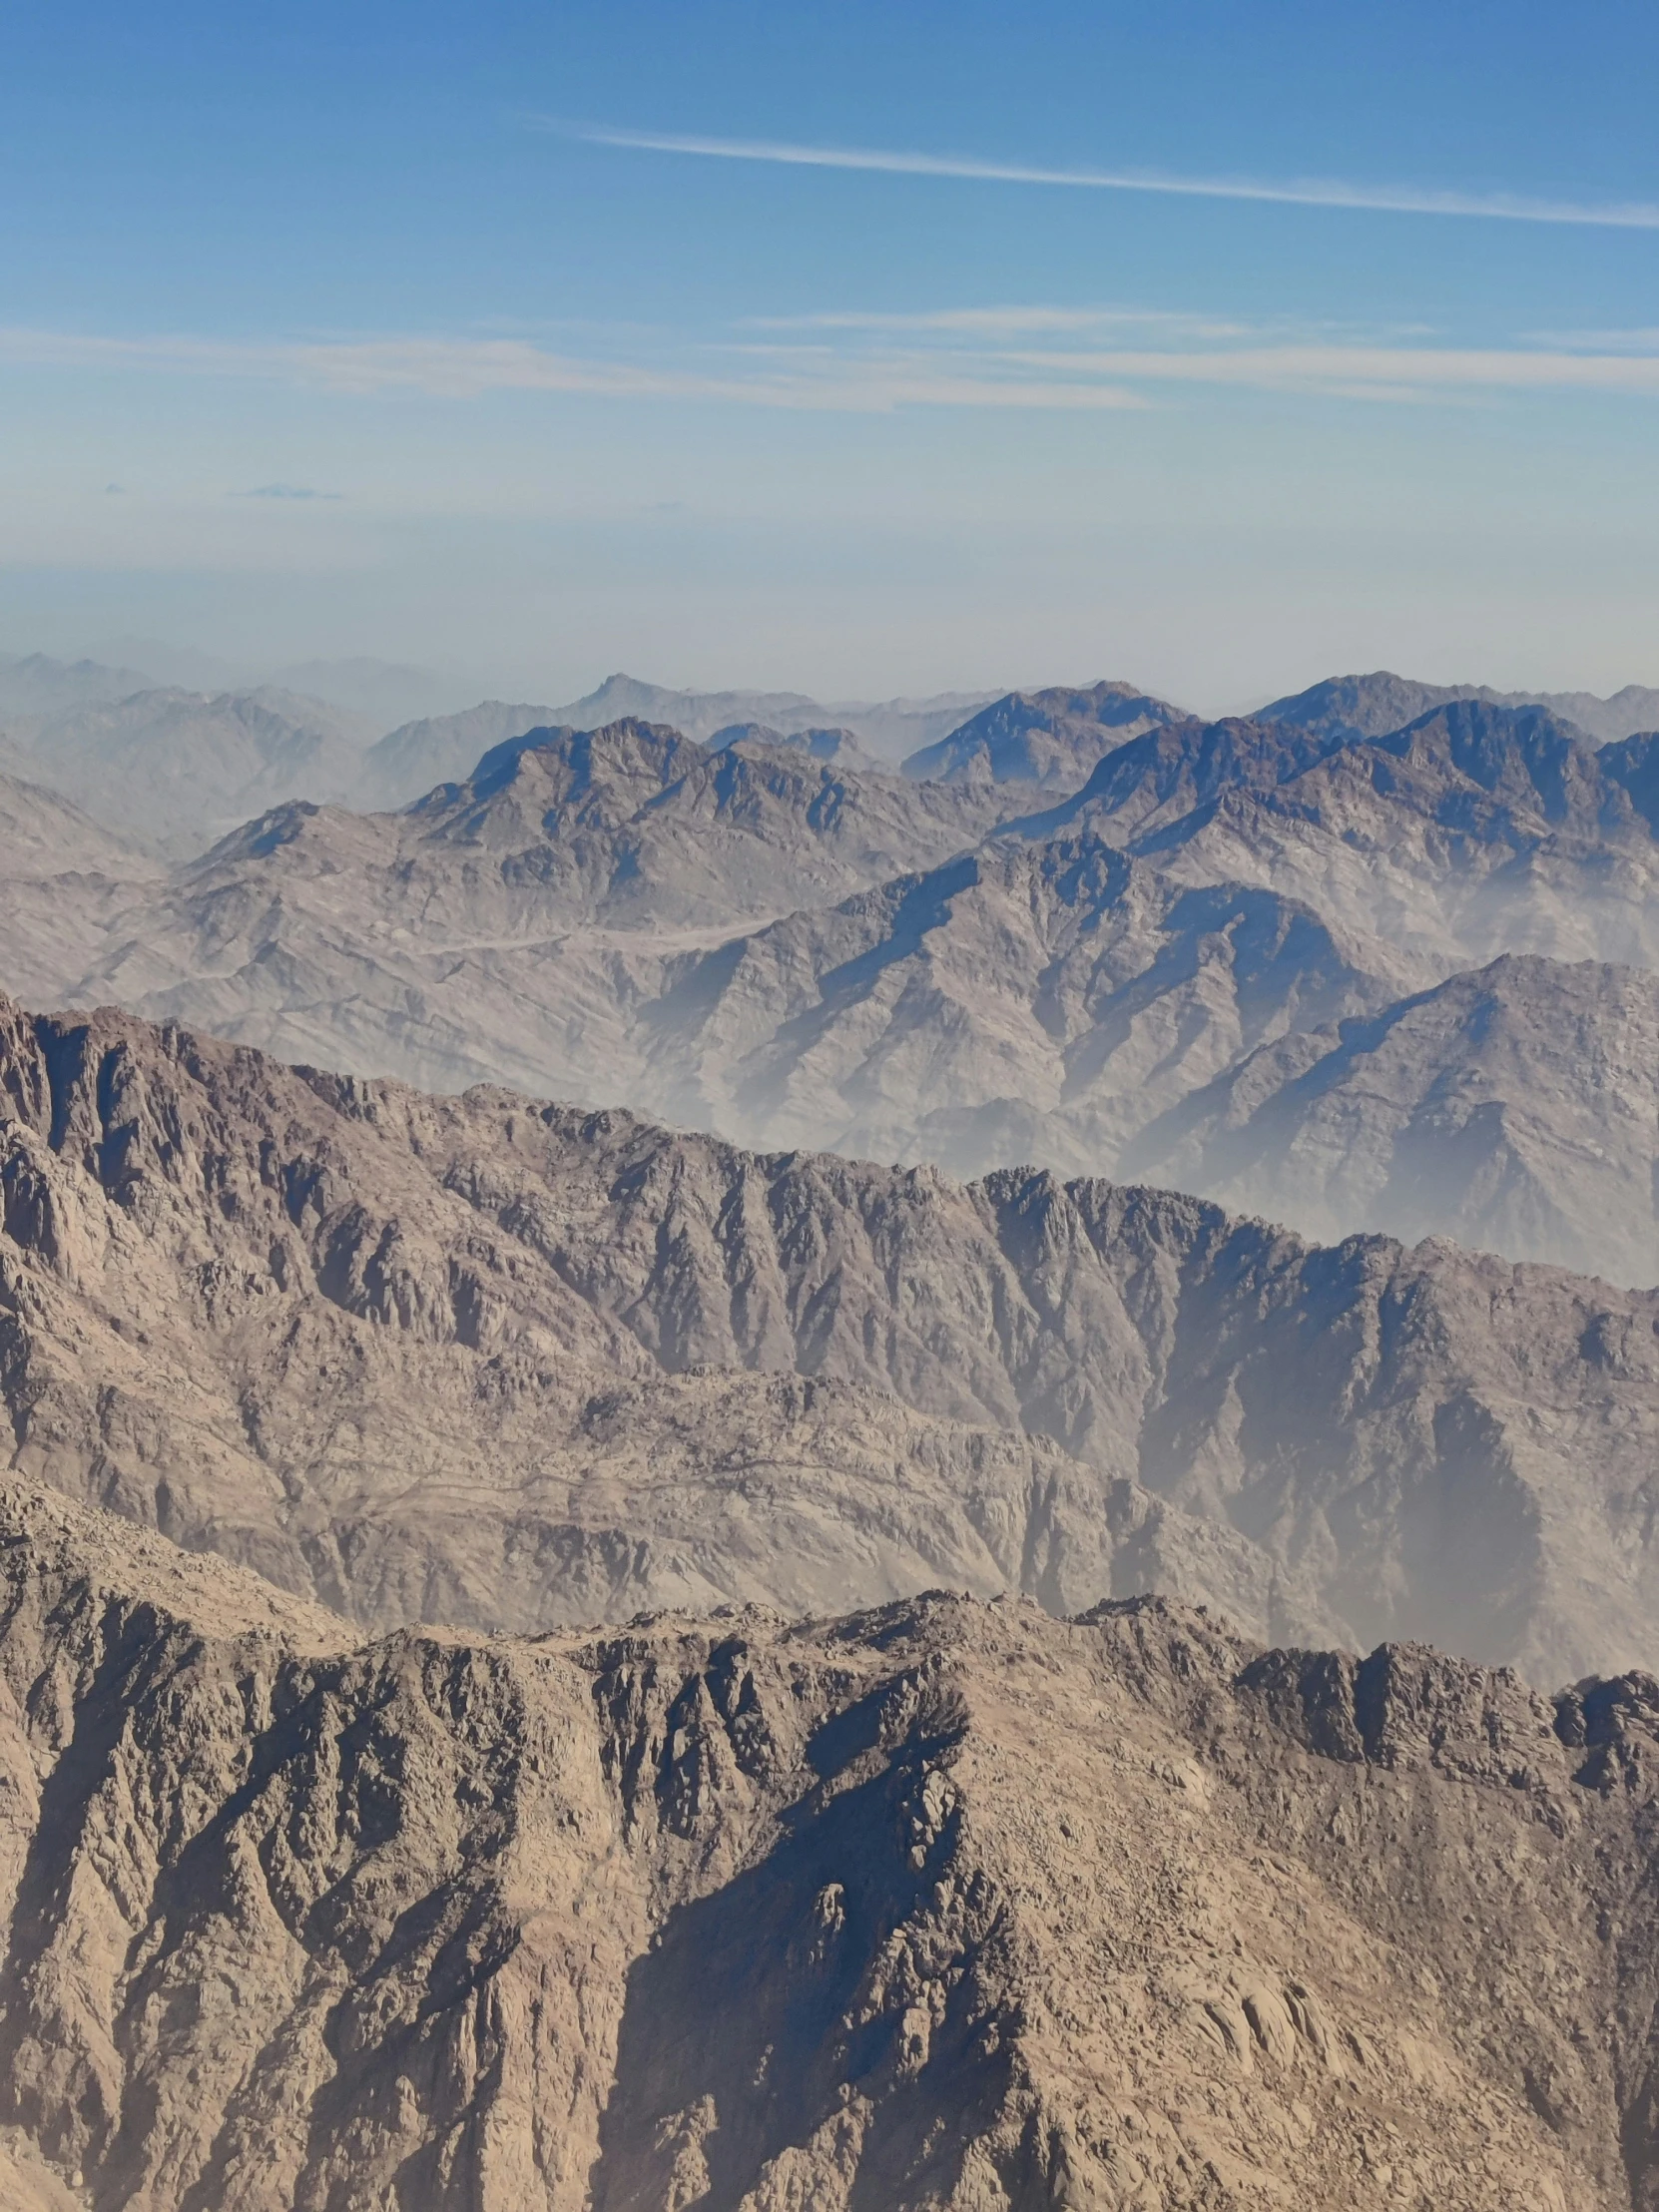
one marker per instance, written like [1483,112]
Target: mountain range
[942,1907]
[1372,706]
[1400,984]
[177,749]
[716,1557]
[486,1361]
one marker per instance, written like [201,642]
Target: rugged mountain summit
[1049,737]
[1474,832]
[629,825]
[1350,707]
[1153,790]
[431,1358]
[948,1907]
[550,887]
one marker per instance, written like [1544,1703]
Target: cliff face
[482,1359]
[942,1906]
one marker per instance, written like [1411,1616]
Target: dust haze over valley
[1380,957]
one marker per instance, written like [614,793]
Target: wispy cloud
[1009,321]
[1371,369]
[967,358]
[1610,342]
[463,368]
[1309,191]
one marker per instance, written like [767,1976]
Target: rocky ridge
[1372,706]
[946,1907]
[484,1359]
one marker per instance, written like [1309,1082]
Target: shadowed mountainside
[480,1358]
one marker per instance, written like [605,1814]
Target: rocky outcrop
[490,1360]
[946,1905]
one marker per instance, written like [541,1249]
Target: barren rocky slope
[1066,1005]
[1474,832]
[1023,1003]
[1515,1108]
[480,1358]
[1373,706]
[64,881]
[1051,737]
[628,828]
[948,1907]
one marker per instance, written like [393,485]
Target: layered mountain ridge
[1154,977]
[1373,706]
[553,1660]
[486,1360]
[770,936]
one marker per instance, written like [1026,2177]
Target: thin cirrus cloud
[963,359]
[1010,321]
[1396,369]
[463,368]
[1311,192]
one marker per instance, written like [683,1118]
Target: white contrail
[1634,215]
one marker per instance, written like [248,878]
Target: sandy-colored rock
[487,1359]
[947,1906]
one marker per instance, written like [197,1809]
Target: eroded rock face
[486,1360]
[941,1906]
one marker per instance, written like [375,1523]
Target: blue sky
[857,348]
